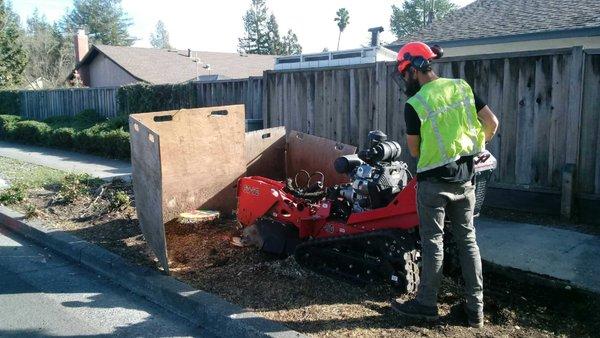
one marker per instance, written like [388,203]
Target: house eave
[557,34]
[89,57]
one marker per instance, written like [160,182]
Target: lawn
[30,175]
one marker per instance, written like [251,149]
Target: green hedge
[34,132]
[85,132]
[10,102]
[63,137]
[7,125]
[139,98]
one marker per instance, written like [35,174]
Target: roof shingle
[496,18]
[160,66]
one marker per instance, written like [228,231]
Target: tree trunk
[339,37]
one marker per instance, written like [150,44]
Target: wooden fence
[226,92]
[548,104]
[41,104]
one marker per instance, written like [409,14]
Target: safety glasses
[398,78]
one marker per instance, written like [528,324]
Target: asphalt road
[45,295]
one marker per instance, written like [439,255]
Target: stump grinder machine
[363,231]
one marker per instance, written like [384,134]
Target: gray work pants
[434,200]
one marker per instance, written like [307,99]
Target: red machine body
[259,197]
[362,231]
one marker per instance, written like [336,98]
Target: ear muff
[437,50]
[421,63]
[418,62]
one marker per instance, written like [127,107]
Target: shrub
[31,211]
[9,119]
[59,121]
[141,97]
[115,143]
[119,122]
[74,186]
[86,132]
[10,102]
[33,132]
[62,138]
[7,125]
[13,194]
[82,120]
[88,141]
[86,118]
[119,200]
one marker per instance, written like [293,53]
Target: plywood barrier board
[313,153]
[265,153]
[145,165]
[190,159]
[183,160]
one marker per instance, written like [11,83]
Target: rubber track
[390,256]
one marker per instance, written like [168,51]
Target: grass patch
[75,186]
[13,194]
[28,175]
[31,211]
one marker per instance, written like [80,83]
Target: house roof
[495,19]
[159,66]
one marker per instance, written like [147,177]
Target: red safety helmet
[418,55]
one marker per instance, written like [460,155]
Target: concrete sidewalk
[563,254]
[67,160]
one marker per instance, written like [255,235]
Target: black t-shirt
[459,171]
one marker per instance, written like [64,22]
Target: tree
[50,53]
[343,19]
[273,39]
[262,33]
[104,20]
[256,39]
[416,14]
[13,57]
[160,37]
[290,44]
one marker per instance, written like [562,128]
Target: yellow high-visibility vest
[449,125]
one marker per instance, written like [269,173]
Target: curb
[199,307]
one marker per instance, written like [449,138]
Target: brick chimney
[81,45]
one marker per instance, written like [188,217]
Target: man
[446,124]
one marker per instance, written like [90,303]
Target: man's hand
[489,122]
[414,144]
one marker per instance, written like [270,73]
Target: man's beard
[412,87]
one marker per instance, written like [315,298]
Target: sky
[216,25]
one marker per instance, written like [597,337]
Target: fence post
[567,191]
[573,130]
[265,100]
[575,102]
[23,104]
[380,96]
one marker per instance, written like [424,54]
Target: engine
[376,174]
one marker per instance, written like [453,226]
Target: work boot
[474,318]
[413,309]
